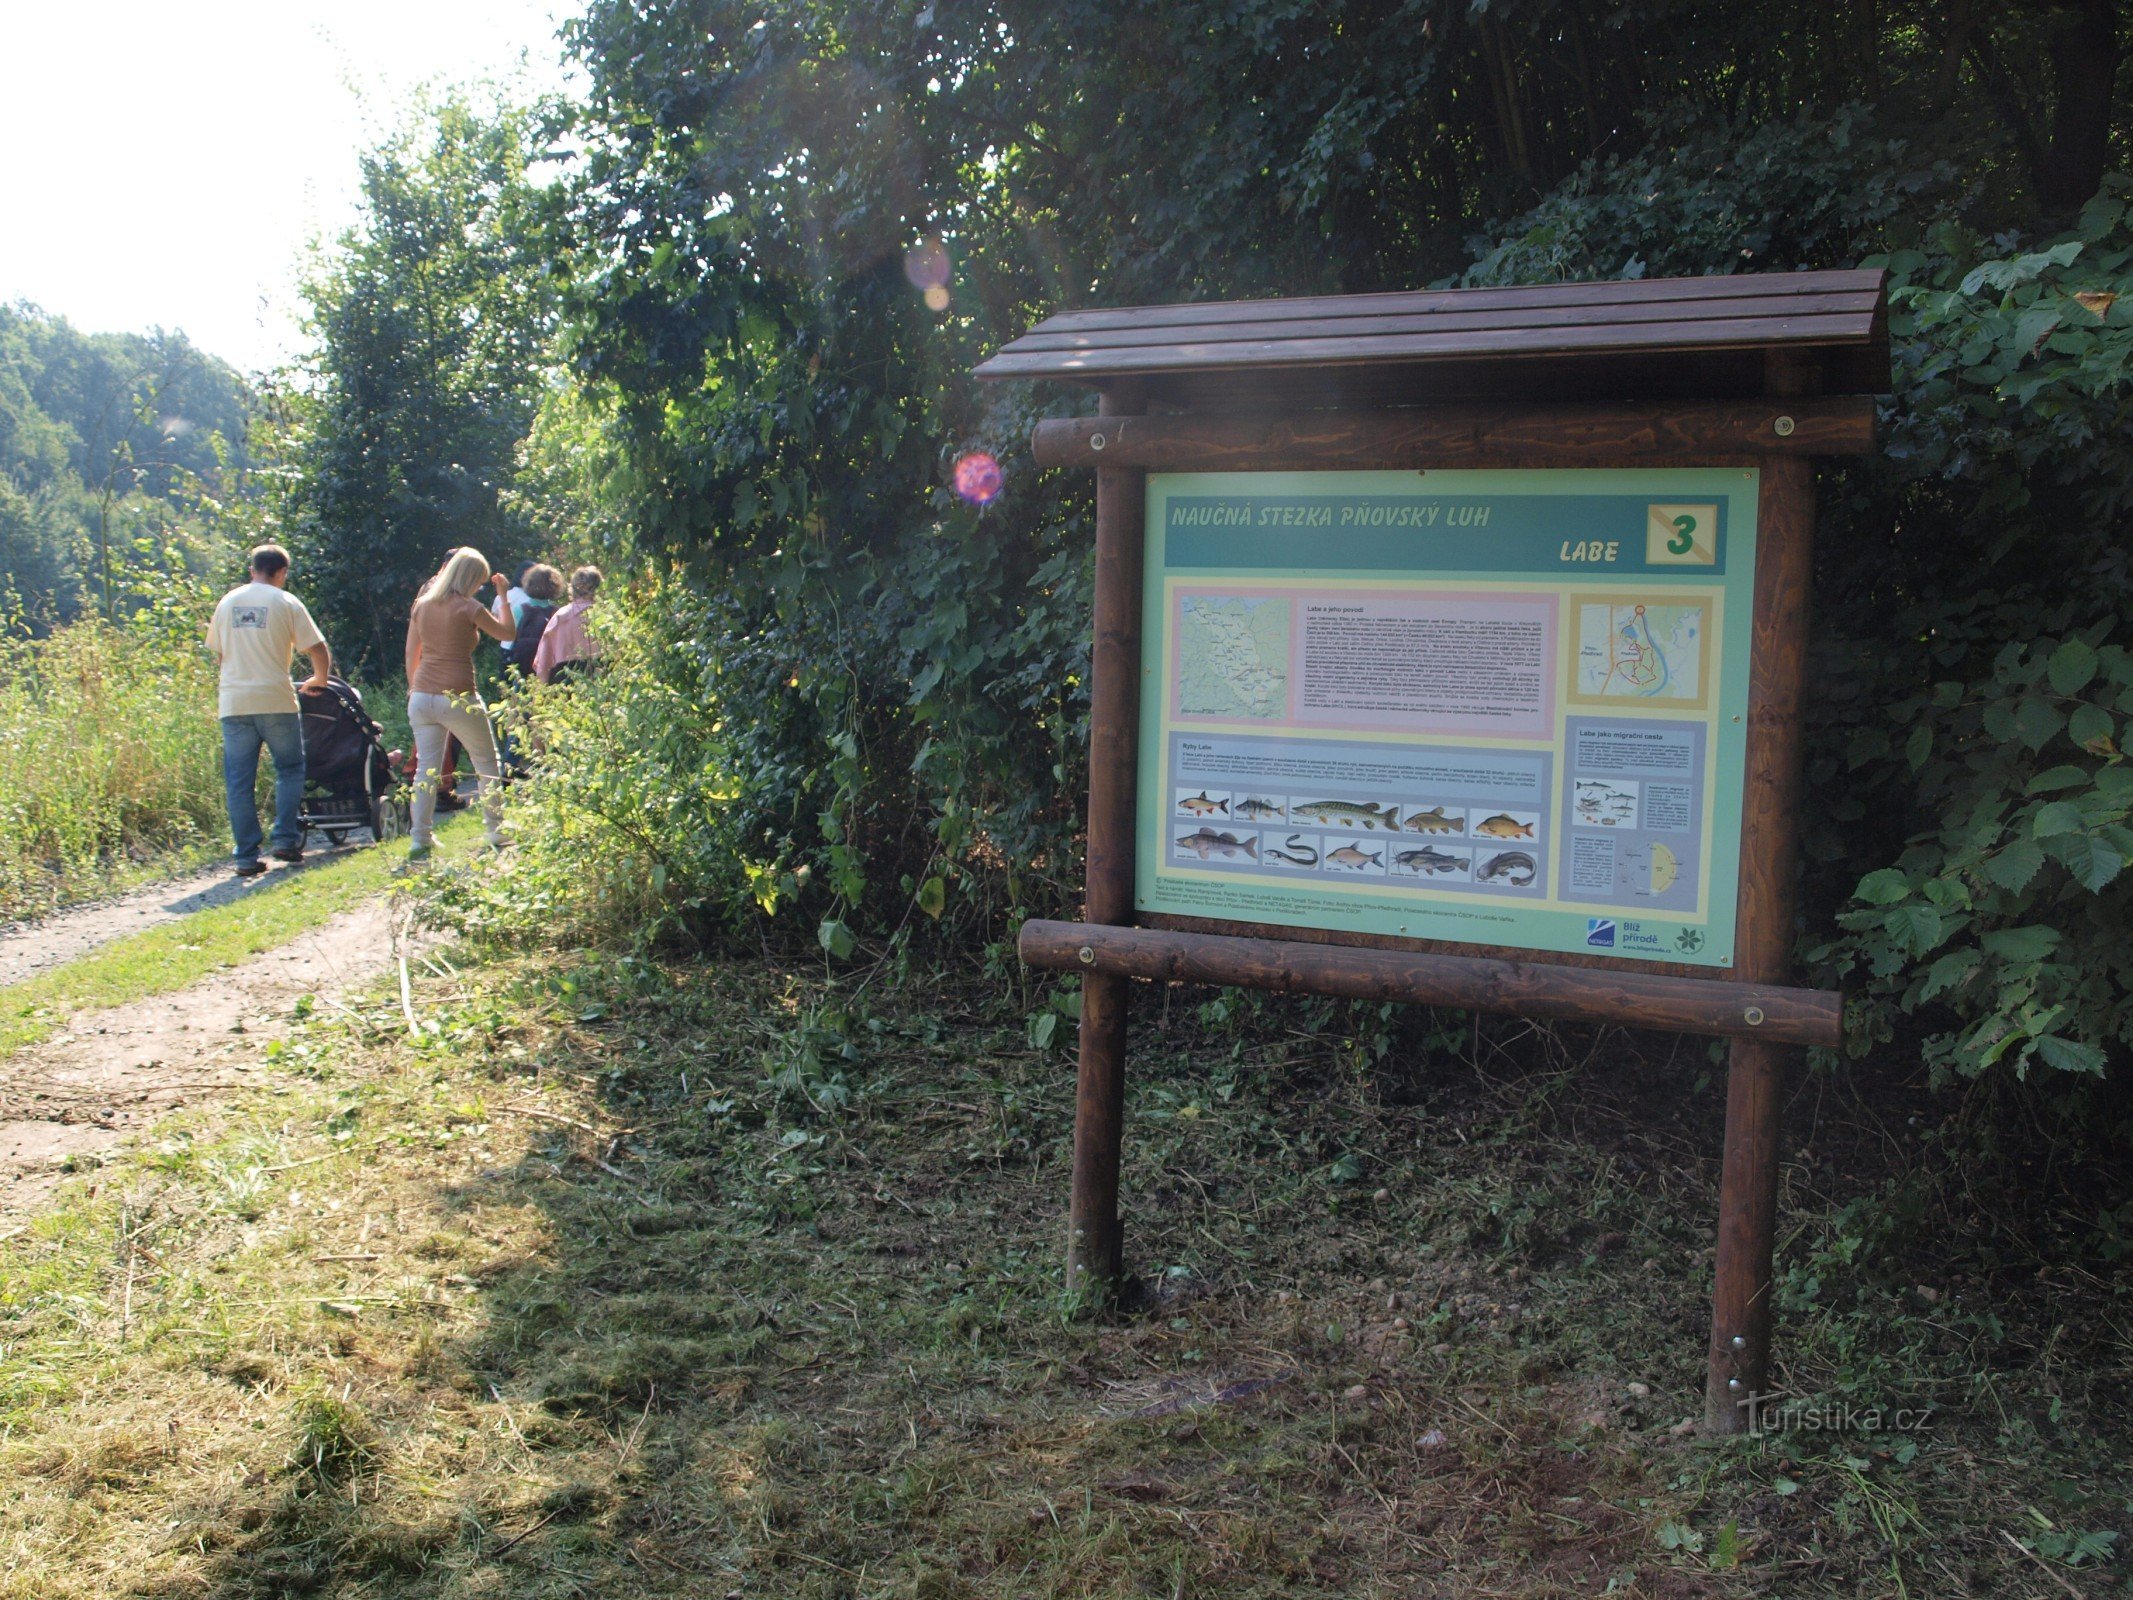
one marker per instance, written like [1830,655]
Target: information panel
[1495,708]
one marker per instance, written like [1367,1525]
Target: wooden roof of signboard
[1648,338]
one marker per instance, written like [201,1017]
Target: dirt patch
[111,1072]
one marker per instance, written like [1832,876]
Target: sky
[169,164]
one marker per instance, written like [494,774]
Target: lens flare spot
[978,478]
[926,264]
[936,298]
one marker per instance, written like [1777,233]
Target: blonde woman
[442,702]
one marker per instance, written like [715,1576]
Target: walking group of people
[259,626]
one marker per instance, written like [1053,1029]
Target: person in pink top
[566,646]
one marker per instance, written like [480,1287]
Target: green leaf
[2092,861]
[2031,943]
[836,938]
[2061,777]
[1950,970]
[1919,746]
[2037,721]
[1043,1028]
[933,896]
[1883,887]
[1914,928]
[2013,867]
[2058,817]
[2071,667]
[2093,728]
[2071,1055]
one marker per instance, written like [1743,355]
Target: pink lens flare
[926,264]
[978,478]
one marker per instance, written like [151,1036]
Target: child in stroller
[349,782]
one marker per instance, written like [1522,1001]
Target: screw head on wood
[1096,441]
[1753,1016]
[1783,427]
[1087,956]
[1733,1384]
[1740,1342]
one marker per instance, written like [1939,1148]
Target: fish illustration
[1200,806]
[1503,827]
[1432,821]
[1353,859]
[1427,860]
[1303,855]
[1207,843]
[1254,809]
[1515,867]
[1349,814]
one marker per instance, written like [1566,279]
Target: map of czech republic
[1642,652]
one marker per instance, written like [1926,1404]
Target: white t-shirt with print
[256,629]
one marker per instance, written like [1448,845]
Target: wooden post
[1093,1243]
[1739,1359]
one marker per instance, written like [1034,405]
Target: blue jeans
[282,732]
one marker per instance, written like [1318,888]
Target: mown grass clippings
[566,1294]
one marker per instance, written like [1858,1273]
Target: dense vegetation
[108,445]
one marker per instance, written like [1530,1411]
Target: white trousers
[435,717]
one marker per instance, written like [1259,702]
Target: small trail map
[1233,657]
[1642,652]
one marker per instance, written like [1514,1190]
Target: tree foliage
[431,319]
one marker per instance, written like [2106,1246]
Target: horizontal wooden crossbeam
[1461,436]
[1715,1006]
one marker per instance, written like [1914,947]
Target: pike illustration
[1349,814]
[1207,843]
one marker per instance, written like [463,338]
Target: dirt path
[112,1072]
[28,948]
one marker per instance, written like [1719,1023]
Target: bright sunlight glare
[168,165]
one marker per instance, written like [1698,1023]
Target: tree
[431,321]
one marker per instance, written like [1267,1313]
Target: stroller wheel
[388,817]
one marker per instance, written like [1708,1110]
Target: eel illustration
[1296,853]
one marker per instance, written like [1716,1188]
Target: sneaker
[417,854]
[250,869]
[291,853]
[499,842]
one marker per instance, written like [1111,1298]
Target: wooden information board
[1449,649]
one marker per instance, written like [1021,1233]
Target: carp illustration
[1353,859]
[1200,806]
[1207,843]
[1515,867]
[1254,809]
[1348,814]
[1296,853]
[1427,860]
[1503,827]
[1432,821]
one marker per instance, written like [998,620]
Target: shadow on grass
[708,1285]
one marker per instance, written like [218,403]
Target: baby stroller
[349,783]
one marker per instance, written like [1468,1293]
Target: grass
[164,959]
[110,757]
[630,1279]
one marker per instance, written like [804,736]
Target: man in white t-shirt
[256,628]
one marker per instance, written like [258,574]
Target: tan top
[447,629]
